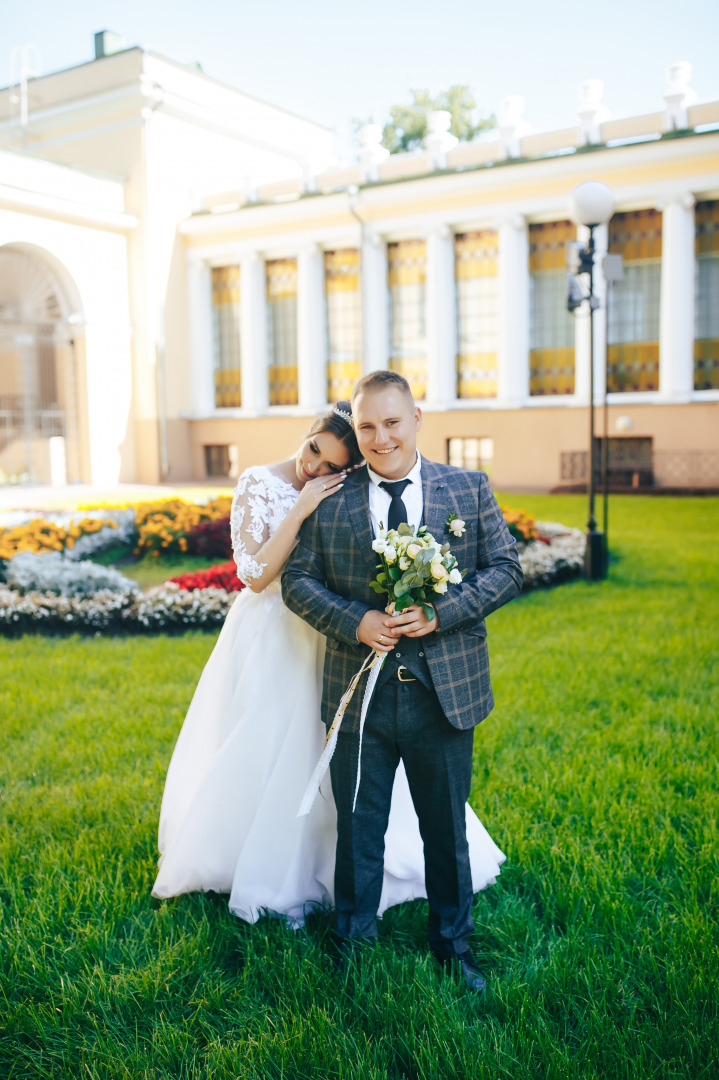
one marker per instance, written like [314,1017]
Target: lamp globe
[591,203]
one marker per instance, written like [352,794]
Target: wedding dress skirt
[247,749]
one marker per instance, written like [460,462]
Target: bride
[252,735]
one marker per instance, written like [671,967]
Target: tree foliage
[408,124]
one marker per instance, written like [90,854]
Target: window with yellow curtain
[475,264]
[226,335]
[706,336]
[633,302]
[407,271]
[551,327]
[344,322]
[282,331]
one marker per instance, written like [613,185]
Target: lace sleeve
[249,525]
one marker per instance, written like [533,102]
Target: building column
[375,305]
[441,314]
[253,333]
[513,288]
[677,299]
[311,330]
[199,307]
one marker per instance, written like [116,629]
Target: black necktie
[397,509]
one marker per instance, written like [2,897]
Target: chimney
[107,43]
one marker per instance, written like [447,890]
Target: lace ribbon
[372,664]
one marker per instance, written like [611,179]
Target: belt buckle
[402,668]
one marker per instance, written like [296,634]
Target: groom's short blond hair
[382,380]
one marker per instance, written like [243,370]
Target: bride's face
[319,455]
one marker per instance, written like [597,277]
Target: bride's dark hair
[340,427]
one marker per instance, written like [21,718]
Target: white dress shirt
[379,499]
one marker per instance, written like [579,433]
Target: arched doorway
[39,425]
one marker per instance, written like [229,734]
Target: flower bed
[51,587]
[556,555]
[167,609]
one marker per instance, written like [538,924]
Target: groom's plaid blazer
[327,578]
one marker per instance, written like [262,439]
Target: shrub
[521,525]
[51,572]
[164,526]
[211,539]
[41,535]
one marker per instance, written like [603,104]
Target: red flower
[223,576]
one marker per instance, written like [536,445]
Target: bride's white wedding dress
[246,751]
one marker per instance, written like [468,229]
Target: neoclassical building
[253,303]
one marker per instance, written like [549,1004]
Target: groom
[434,685]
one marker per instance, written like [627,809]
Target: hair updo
[339,427]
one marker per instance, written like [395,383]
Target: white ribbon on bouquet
[372,664]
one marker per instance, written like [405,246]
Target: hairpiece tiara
[347,417]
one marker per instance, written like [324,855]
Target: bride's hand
[318,489]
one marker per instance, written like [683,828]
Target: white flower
[455,577]
[379,545]
[441,587]
[390,553]
[457,527]
[404,562]
[439,572]
[413,550]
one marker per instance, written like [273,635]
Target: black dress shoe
[466,966]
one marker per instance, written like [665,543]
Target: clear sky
[333,61]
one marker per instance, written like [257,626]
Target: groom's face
[386,423]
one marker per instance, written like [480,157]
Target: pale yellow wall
[527,442]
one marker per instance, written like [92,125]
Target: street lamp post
[591,204]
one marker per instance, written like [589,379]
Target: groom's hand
[375,630]
[412,622]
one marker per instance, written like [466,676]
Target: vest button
[398,654]
[421,654]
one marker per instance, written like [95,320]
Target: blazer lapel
[437,498]
[357,503]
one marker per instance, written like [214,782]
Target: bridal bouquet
[413,566]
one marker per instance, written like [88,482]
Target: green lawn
[596,773]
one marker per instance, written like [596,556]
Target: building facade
[453,272]
[261,282]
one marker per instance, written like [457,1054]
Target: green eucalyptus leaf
[404,529]
[428,612]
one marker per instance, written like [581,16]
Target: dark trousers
[404,721]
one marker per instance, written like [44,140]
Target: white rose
[439,572]
[379,545]
[455,577]
[404,562]
[390,554]
[440,587]
[457,527]
[413,550]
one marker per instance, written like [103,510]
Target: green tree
[408,124]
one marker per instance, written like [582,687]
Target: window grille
[633,303]
[226,334]
[407,264]
[477,325]
[344,322]
[706,336]
[282,331]
[551,327]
